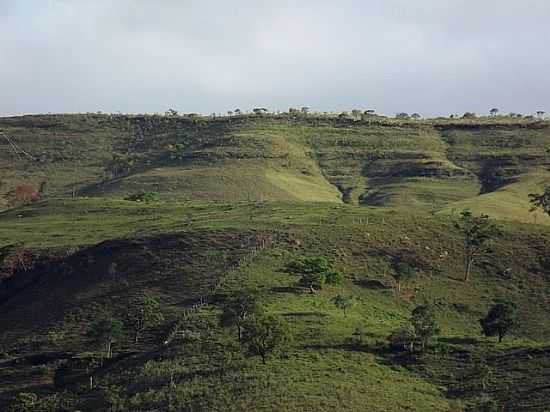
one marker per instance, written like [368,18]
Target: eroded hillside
[428,165]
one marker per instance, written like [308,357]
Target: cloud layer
[428,56]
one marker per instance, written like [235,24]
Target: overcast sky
[427,56]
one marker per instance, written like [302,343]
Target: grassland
[358,193]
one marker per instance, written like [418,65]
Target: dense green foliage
[501,320]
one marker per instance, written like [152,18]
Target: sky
[434,57]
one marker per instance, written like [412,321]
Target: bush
[143,197]
[484,404]
[334,278]
[305,265]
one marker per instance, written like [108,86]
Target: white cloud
[434,57]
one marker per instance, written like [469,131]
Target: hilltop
[488,165]
[191,210]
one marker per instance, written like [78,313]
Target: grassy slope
[427,165]
[358,239]
[413,168]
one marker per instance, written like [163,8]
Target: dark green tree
[422,327]
[264,335]
[143,312]
[333,278]
[401,272]
[343,303]
[501,319]
[424,324]
[107,332]
[478,232]
[313,281]
[305,264]
[238,308]
[541,201]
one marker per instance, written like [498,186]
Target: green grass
[242,180]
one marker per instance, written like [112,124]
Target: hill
[239,200]
[427,164]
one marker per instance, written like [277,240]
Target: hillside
[428,164]
[239,200]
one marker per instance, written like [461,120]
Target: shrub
[501,319]
[305,265]
[143,197]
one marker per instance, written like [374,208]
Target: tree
[477,231]
[541,201]
[106,332]
[540,114]
[237,112]
[356,113]
[424,324]
[313,281]
[264,335]
[401,271]
[501,319]
[493,112]
[416,116]
[343,303]
[119,165]
[305,110]
[238,308]
[259,110]
[24,402]
[469,115]
[306,264]
[143,313]
[403,338]
[402,116]
[334,278]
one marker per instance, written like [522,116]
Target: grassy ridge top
[427,164]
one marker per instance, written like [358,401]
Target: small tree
[501,319]
[107,332]
[304,265]
[334,278]
[356,113]
[24,402]
[264,335]
[313,281]
[143,313]
[343,303]
[424,324]
[238,308]
[478,231]
[493,112]
[401,271]
[541,201]
[403,338]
